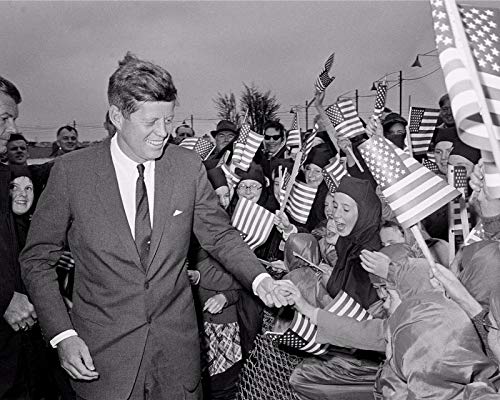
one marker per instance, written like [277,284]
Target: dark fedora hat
[225,125]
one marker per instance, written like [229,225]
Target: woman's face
[345,213]
[329,206]
[250,190]
[223,195]
[314,175]
[21,192]
[390,236]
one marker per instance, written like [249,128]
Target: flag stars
[444,28]
[488,42]
[474,11]
[447,40]
[495,52]
[489,58]
[495,67]
[494,37]
[481,47]
[492,24]
[441,15]
[483,16]
[474,38]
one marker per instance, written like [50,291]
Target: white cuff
[60,337]
[258,279]
[287,235]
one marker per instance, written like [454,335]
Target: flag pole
[408,136]
[421,243]
[463,45]
[293,176]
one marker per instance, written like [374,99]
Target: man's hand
[300,304]
[442,277]
[215,304]
[488,206]
[273,293]
[66,261]
[75,358]
[375,263]
[20,313]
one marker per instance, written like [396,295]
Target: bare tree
[225,104]
[261,106]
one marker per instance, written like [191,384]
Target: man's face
[272,140]
[17,152]
[447,114]
[8,115]
[442,153]
[143,135]
[67,140]
[223,138]
[183,133]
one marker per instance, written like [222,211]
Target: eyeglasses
[275,138]
[253,187]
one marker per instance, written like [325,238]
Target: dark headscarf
[319,155]
[348,274]
[466,151]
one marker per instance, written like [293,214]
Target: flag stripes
[324,80]
[245,147]
[412,191]
[294,138]
[203,147]
[300,201]
[253,221]
[345,119]
[422,124]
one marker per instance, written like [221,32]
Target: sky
[61,54]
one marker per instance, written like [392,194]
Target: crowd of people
[122,277]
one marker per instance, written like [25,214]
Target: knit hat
[217,178]
[254,172]
[319,155]
[446,135]
[466,151]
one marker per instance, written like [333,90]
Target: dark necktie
[142,221]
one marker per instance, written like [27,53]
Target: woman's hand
[215,304]
[375,263]
[282,222]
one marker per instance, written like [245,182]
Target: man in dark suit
[127,208]
[17,311]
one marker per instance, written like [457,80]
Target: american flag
[380,99]
[324,80]
[482,30]
[422,124]
[300,202]
[476,235]
[245,147]
[345,119]
[307,144]
[333,173]
[431,156]
[412,191]
[430,165]
[458,179]
[253,221]
[301,334]
[203,147]
[294,139]
[284,182]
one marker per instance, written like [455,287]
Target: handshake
[281,293]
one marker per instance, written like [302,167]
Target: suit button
[149,320]
[146,285]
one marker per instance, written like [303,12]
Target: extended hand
[75,358]
[375,263]
[282,222]
[20,313]
[300,304]
[194,276]
[273,293]
[215,304]
[66,261]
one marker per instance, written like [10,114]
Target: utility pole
[400,92]
[357,101]
[192,120]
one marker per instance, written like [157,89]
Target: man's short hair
[137,81]
[184,126]
[16,136]
[9,89]
[275,125]
[68,128]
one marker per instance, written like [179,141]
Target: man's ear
[116,117]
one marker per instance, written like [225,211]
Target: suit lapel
[164,187]
[108,193]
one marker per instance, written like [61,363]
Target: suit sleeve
[350,333]
[44,245]
[213,230]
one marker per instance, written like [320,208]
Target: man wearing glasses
[273,146]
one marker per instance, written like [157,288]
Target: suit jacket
[9,282]
[118,306]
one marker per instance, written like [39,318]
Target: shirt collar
[121,159]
